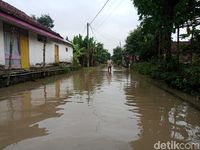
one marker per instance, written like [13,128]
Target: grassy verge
[179,76]
[70,69]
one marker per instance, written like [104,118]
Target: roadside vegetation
[184,77]
[88,52]
[149,47]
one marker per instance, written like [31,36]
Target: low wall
[33,74]
[194,101]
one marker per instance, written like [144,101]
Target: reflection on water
[91,109]
[162,116]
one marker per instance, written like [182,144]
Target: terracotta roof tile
[11,10]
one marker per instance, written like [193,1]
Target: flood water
[93,110]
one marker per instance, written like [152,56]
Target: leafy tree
[117,55]
[45,20]
[84,48]
[140,43]
[162,13]
[34,17]
[165,16]
[77,53]
[79,45]
[91,50]
[102,55]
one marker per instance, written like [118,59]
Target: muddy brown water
[93,110]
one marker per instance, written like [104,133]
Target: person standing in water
[109,64]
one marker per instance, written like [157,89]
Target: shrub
[179,76]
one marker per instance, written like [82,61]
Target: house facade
[23,40]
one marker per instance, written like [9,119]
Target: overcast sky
[111,27]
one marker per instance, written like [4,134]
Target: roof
[15,16]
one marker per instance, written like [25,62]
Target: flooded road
[93,110]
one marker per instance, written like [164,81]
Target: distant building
[185,52]
[182,45]
[28,38]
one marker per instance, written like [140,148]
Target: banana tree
[77,54]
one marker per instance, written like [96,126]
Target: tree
[34,17]
[91,50]
[140,43]
[45,20]
[117,55]
[77,54]
[101,55]
[79,50]
[165,15]
[96,52]
[162,13]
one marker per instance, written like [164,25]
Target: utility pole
[88,57]
[88,25]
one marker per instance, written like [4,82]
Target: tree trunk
[192,38]
[178,41]
[92,60]
[44,61]
[159,44]
[169,6]
[10,56]
[167,44]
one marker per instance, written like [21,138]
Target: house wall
[2,55]
[49,55]
[36,51]
[65,56]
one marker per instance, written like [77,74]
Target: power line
[99,12]
[109,42]
[107,35]
[107,39]
[93,33]
[110,14]
[108,7]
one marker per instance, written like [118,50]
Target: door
[24,49]
[56,54]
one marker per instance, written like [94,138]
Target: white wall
[65,56]
[36,51]
[49,56]
[2,55]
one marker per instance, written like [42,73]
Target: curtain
[16,59]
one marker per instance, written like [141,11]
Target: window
[14,36]
[66,49]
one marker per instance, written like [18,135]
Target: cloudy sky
[111,27]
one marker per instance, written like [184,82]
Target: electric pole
[88,56]
[88,26]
